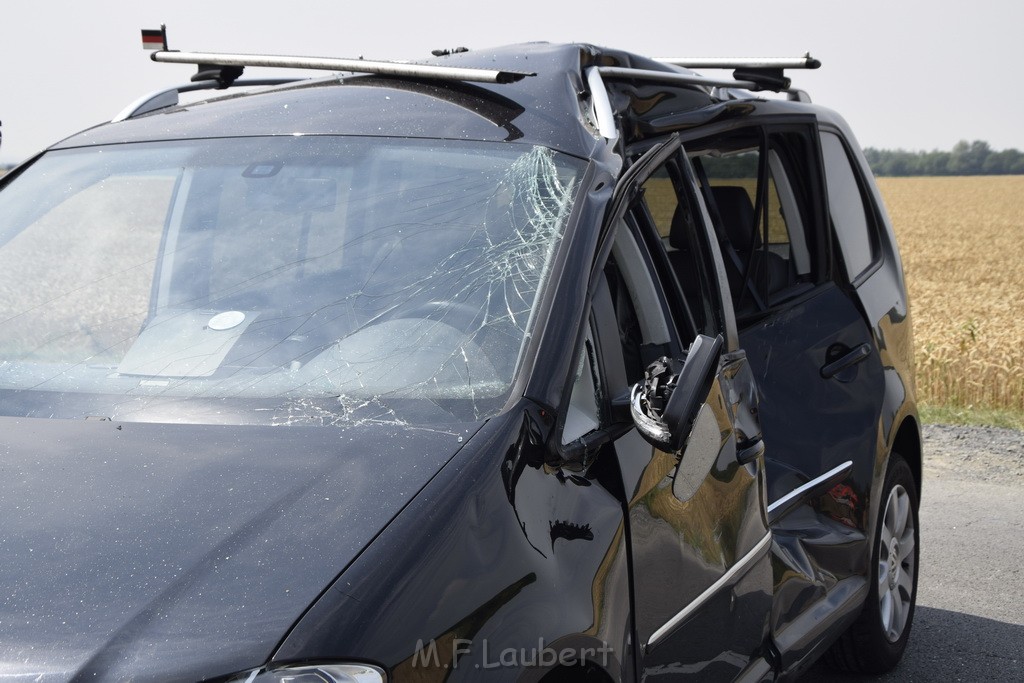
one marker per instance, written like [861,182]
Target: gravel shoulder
[973,454]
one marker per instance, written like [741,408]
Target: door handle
[848,359]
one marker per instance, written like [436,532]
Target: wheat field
[961,240]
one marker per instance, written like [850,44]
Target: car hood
[179,552]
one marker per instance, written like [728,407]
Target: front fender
[498,563]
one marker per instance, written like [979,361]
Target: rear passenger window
[756,185]
[846,206]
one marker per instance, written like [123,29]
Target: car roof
[549,108]
[551,101]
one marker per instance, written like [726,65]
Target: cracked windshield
[287,280]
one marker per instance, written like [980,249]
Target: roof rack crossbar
[805,62]
[168,97]
[620,72]
[402,69]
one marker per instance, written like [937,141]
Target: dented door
[698,530]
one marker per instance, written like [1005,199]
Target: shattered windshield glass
[285,280]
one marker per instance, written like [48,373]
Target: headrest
[737,212]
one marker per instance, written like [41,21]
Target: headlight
[319,673]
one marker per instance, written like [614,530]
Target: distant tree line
[966,158]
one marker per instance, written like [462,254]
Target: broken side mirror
[665,404]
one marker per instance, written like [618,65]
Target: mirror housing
[665,404]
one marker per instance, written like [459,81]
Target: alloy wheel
[896,563]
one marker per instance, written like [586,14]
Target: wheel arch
[577,674]
[907,443]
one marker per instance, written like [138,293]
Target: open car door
[693,471]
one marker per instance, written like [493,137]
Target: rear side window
[846,206]
[757,185]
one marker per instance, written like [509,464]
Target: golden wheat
[961,243]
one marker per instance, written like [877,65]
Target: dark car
[547,362]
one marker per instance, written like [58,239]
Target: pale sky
[916,74]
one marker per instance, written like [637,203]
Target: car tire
[875,642]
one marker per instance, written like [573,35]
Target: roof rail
[602,107]
[231,64]
[161,99]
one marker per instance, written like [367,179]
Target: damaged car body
[547,362]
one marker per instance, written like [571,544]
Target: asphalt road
[969,623]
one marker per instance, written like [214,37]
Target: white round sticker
[226,320]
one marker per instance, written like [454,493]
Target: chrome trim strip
[797,492]
[740,567]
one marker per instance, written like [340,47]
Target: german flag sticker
[154,39]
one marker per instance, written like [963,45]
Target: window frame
[623,197]
[712,296]
[627,211]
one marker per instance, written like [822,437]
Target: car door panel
[814,415]
[697,525]
[684,545]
